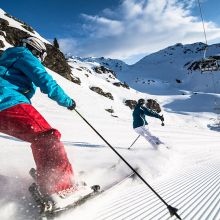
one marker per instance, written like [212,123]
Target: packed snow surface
[190,130]
[186,175]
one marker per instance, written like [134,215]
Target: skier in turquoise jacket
[21,71]
[140,123]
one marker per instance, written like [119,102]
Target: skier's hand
[161,118]
[73,106]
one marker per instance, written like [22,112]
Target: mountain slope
[114,64]
[13,30]
[168,67]
[91,159]
[190,130]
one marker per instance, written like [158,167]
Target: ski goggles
[39,54]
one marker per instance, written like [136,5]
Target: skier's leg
[155,141]
[55,171]
[144,131]
[139,130]
[24,122]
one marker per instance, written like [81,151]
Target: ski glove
[73,106]
[161,118]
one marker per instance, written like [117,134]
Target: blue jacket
[139,115]
[20,73]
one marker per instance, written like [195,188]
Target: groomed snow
[192,143]
[191,130]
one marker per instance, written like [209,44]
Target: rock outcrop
[55,59]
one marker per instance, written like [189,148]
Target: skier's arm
[151,113]
[34,70]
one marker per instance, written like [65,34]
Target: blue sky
[123,29]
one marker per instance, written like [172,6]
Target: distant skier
[139,122]
[21,72]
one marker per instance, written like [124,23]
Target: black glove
[73,106]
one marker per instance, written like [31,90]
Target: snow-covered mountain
[169,68]
[13,30]
[114,64]
[166,73]
[191,130]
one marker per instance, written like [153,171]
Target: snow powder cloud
[139,27]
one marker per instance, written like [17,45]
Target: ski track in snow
[193,188]
[186,176]
[194,192]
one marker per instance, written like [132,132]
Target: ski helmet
[141,101]
[36,46]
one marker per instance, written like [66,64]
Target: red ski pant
[54,171]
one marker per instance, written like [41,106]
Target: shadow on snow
[194,103]
[82,144]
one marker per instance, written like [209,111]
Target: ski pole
[172,210]
[134,142]
[162,122]
[128,149]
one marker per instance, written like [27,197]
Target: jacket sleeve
[36,72]
[151,113]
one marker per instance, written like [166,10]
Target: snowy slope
[16,24]
[90,157]
[114,64]
[168,68]
[191,140]
[191,130]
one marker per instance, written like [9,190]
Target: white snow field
[186,176]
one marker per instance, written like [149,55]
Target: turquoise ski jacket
[20,73]
[139,115]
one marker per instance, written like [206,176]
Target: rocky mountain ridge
[12,30]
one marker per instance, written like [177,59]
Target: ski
[160,144]
[47,212]
[45,205]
